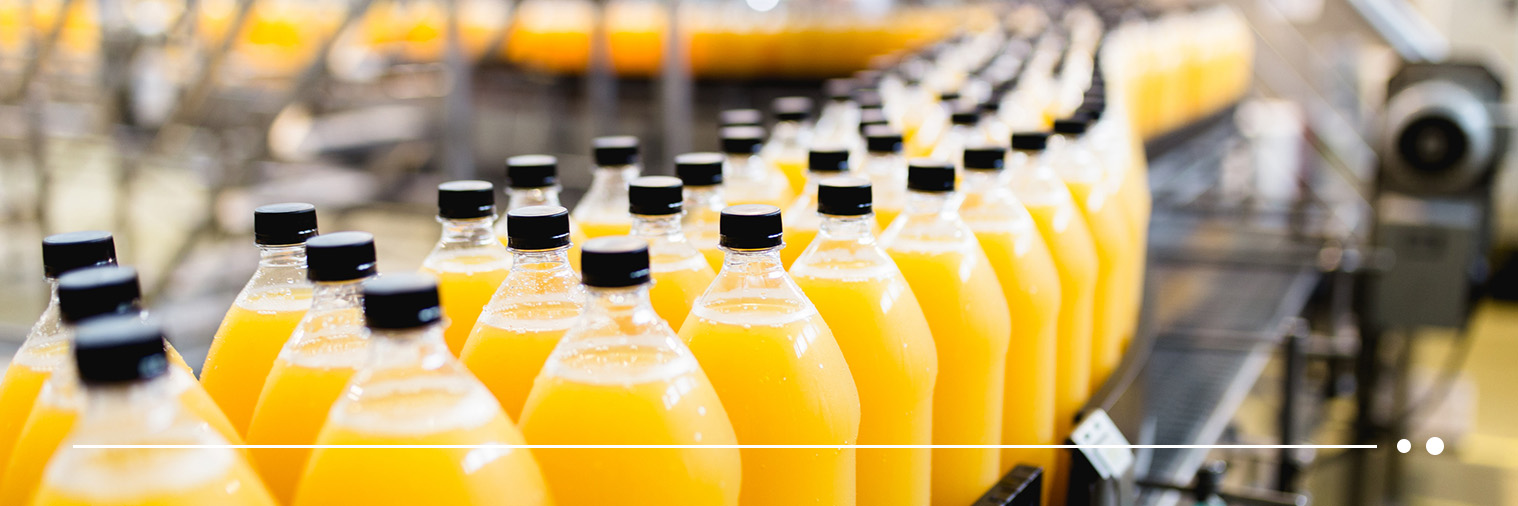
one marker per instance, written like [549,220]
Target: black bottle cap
[534,228]
[340,256]
[930,175]
[839,88]
[119,349]
[655,196]
[792,108]
[1092,109]
[882,139]
[95,291]
[699,169]
[1073,125]
[742,140]
[948,96]
[827,159]
[989,106]
[76,250]
[868,98]
[964,115]
[750,226]
[1030,141]
[467,199]
[985,157]
[613,150]
[741,117]
[532,171]
[870,117]
[287,223]
[401,301]
[614,262]
[844,196]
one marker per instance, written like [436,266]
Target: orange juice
[790,139]
[411,391]
[677,283]
[701,174]
[603,209]
[178,478]
[1117,275]
[468,261]
[800,218]
[1064,230]
[525,318]
[960,296]
[1030,283]
[884,336]
[777,369]
[621,377]
[680,272]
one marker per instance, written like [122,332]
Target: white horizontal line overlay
[741,447]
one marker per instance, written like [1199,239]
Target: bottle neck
[922,203]
[282,255]
[415,348]
[752,262]
[662,226]
[614,174]
[137,404]
[521,259]
[743,165]
[330,295]
[472,232]
[620,304]
[981,180]
[524,197]
[702,197]
[847,228]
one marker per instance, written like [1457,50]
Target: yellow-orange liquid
[796,241]
[596,229]
[245,346]
[677,284]
[1074,254]
[614,394]
[509,347]
[465,284]
[794,169]
[1116,279]
[967,313]
[413,476]
[784,381]
[220,482]
[889,348]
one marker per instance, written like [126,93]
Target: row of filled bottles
[958,262]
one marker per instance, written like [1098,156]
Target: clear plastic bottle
[411,391]
[680,272]
[131,400]
[839,119]
[265,312]
[990,126]
[1117,272]
[603,210]
[790,139]
[533,180]
[748,178]
[620,376]
[884,336]
[964,130]
[755,325]
[1030,283]
[531,310]
[1048,200]
[701,174]
[801,220]
[313,368]
[87,294]
[468,260]
[961,297]
[886,169]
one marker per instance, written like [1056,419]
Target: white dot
[1435,446]
[1404,446]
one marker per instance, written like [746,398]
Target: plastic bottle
[1030,283]
[961,297]
[313,368]
[533,180]
[1065,232]
[777,369]
[411,391]
[740,118]
[468,260]
[603,210]
[964,130]
[132,400]
[531,310]
[746,177]
[701,174]
[621,377]
[680,272]
[1126,170]
[801,220]
[887,170]
[265,312]
[839,120]
[790,139]
[1116,275]
[884,336]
